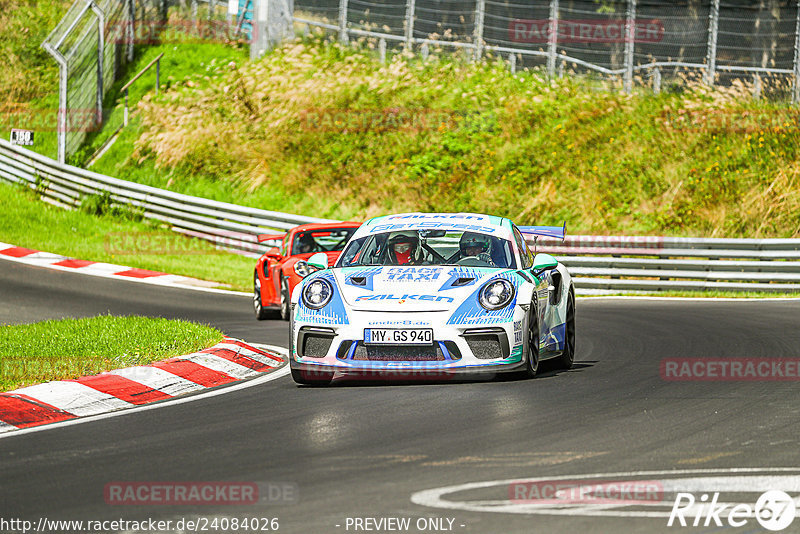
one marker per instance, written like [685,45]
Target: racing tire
[311,378]
[286,303]
[568,356]
[258,306]
[532,358]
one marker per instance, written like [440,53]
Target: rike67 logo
[774,510]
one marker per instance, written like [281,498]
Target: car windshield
[330,239]
[429,247]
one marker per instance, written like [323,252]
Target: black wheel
[286,302]
[568,356]
[532,360]
[258,306]
[311,378]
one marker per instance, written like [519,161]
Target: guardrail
[228,225]
[598,263]
[654,263]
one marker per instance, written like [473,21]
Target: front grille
[488,345]
[314,344]
[385,353]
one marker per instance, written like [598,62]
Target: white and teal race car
[433,294]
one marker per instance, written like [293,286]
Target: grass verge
[316,127]
[117,238]
[70,348]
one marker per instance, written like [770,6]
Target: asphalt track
[361,450]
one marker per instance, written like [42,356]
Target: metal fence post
[796,81]
[480,10]
[382,50]
[552,42]
[630,35]
[131,27]
[410,8]
[343,21]
[212,9]
[656,80]
[101,45]
[194,12]
[63,79]
[711,56]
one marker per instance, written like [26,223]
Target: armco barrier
[228,225]
[599,263]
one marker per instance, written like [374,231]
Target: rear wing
[557,232]
[270,237]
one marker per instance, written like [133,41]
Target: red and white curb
[51,402]
[106,270]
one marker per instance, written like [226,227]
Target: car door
[540,302]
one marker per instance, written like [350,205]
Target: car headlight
[317,294]
[496,294]
[303,269]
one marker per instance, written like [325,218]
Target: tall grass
[324,129]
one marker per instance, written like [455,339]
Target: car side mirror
[543,262]
[318,261]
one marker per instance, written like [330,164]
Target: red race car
[282,268]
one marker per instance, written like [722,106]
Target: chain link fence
[96,39]
[754,42]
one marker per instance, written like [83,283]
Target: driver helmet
[402,247]
[305,243]
[472,244]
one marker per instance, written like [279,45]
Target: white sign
[21,137]
[233,7]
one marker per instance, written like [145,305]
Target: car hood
[410,289]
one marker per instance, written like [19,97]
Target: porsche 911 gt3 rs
[433,294]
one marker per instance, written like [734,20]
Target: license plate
[398,336]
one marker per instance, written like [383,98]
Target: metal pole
[125,114]
[630,35]
[382,50]
[480,10]
[512,62]
[410,8]
[158,75]
[713,27]
[101,46]
[343,21]
[194,12]
[212,9]
[131,27]
[552,42]
[656,80]
[63,78]
[796,81]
